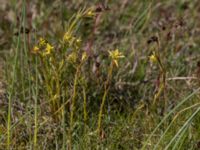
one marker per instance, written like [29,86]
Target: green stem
[84,106]
[104,98]
[72,109]
[35,110]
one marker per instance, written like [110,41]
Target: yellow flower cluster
[115,56]
[43,47]
[74,44]
[68,38]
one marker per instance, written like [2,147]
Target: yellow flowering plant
[115,55]
[63,61]
[61,72]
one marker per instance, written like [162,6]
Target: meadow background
[89,74]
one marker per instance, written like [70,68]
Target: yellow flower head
[48,49]
[115,55]
[36,49]
[84,56]
[72,58]
[90,13]
[67,37]
[42,42]
[78,40]
[153,58]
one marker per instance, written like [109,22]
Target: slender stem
[163,81]
[35,110]
[74,97]
[101,111]
[104,98]
[64,127]
[84,106]
[72,109]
